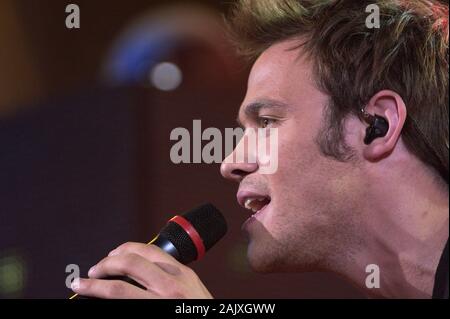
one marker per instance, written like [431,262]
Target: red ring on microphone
[192,233]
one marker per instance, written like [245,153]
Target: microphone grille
[209,223]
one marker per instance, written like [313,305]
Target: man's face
[305,212]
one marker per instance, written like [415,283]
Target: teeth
[250,204]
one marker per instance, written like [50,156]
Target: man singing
[363,142]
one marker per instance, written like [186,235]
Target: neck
[405,226]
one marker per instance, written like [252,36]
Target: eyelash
[263,120]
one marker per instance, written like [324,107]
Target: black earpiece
[378,127]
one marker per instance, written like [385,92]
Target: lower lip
[253,218]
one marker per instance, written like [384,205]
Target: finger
[133,266]
[109,289]
[150,252]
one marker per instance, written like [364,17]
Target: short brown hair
[407,54]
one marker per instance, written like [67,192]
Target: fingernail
[91,271]
[75,285]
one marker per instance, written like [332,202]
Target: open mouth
[256,204]
[255,201]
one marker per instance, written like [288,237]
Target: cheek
[298,176]
[299,158]
[308,181]
[304,179]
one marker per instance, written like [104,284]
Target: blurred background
[85,119]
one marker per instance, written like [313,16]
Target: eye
[265,122]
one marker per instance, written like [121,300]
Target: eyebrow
[255,107]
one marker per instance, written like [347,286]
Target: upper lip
[243,195]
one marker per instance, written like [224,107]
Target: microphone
[187,237]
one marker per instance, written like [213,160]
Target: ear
[391,106]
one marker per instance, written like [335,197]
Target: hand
[161,275]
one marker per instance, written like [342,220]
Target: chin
[265,257]
[260,265]
[262,258]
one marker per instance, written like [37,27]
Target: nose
[237,171]
[242,161]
